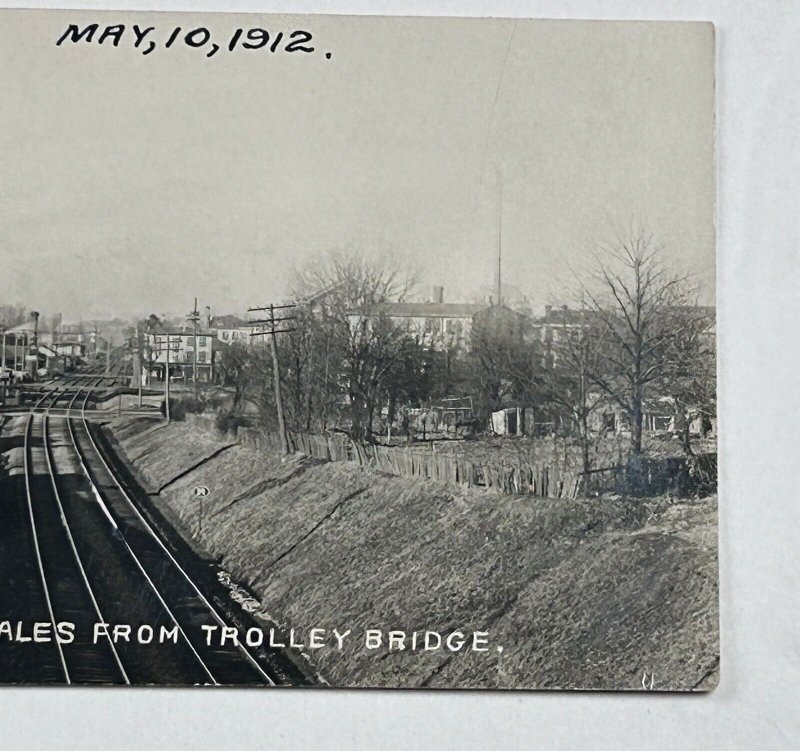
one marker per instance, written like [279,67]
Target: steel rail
[55,394]
[99,499]
[217,617]
[36,404]
[26,461]
[68,530]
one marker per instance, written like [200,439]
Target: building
[438,324]
[18,344]
[512,421]
[181,356]
[15,344]
[553,328]
[229,328]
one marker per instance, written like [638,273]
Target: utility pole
[134,347]
[136,356]
[4,392]
[194,317]
[108,354]
[33,350]
[276,378]
[166,381]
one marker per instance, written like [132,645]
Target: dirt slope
[581,594]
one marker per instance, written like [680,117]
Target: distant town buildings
[229,328]
[181,356]
[438,324]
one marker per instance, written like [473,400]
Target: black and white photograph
[358,352]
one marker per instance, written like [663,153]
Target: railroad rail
[231,664]
[74,384]
[101,561]
[70,600]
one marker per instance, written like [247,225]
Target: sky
[134,183]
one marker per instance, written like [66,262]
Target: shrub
[179,408]
[228,421]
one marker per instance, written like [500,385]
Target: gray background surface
[758,278]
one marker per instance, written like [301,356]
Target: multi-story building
[229,328]
[438,324]
[553,328]
[181,356]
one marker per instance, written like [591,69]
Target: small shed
[512,421]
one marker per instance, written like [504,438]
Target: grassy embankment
[581,594]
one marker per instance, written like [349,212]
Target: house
[554,327]
[438,324]
[15,345]
[501,323]
[48,357]
[18,345]
[182,355]
[229,328]
[660,416]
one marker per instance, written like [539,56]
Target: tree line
[633,333]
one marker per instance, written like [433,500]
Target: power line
[276,378]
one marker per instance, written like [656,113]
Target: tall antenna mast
[499,236]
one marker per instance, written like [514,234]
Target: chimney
[548,309]
[207,318]
[438,294]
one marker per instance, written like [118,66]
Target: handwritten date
[147,39]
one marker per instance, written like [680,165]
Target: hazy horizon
[136,183]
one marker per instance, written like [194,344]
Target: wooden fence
[518,479]
[640,477]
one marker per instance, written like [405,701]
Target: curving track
[99,559]
[62,397]
[66,589]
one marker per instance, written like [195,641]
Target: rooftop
[428,309]
[228,322]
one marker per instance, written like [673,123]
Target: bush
[179,408]
[228,421]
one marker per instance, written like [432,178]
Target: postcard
[357,352]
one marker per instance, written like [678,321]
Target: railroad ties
[100,561]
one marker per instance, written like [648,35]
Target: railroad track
[67,592]
[100,560]
[93,380]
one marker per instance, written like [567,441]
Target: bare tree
[692,383]
[150,350]
[643,313]
[502,367]
[13,314]
[236,367]
[346,295]
[310,369]
[566,385]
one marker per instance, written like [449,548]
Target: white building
[181,356]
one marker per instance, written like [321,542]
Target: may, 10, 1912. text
[147,39]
